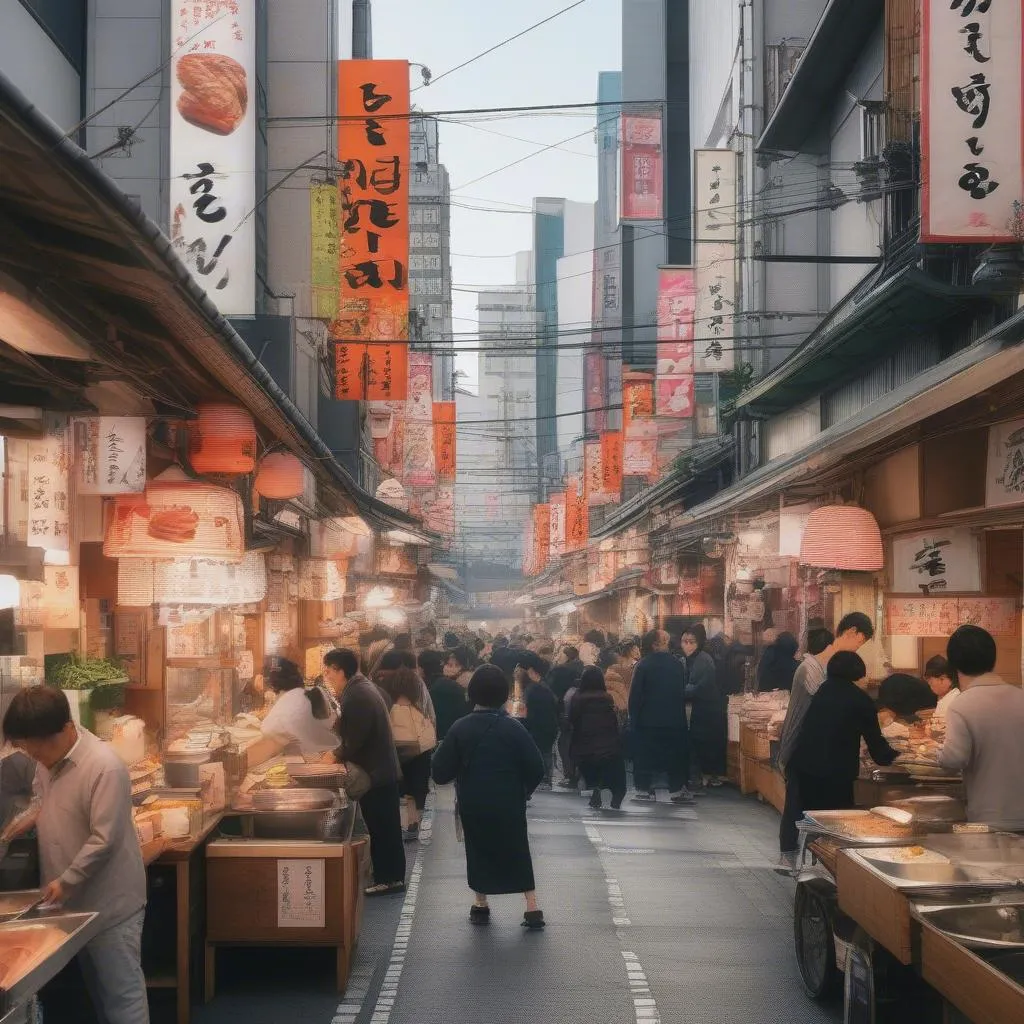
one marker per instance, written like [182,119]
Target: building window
[872,129]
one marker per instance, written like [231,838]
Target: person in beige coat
[619,676]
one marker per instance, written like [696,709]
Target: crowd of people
[502,717]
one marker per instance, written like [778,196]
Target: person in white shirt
[299,721]
[89,854]
[942,679]
[983,733]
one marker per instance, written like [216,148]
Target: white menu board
[300,894]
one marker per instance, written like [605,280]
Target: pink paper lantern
[222,440]
[844,537]
[281,477]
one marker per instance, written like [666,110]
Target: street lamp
[424,71]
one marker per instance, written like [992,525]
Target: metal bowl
[295,813]
[318,776]
[994,926]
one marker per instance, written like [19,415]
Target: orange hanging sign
[577,522]
[611,462]
[637,398]
[541,536]
[371,331]
[444,439]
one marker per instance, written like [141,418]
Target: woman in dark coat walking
[709,719]
[778,664]
[495,766]
[595,745]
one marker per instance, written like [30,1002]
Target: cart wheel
[815,948]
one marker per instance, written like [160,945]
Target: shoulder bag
[414,733]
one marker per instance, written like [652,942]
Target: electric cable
[498,46]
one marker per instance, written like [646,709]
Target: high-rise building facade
[430,267]
[656,78]
[496,482]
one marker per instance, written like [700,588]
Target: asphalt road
[655,914]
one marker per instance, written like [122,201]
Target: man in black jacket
[364,731]
[657,716]
[541,720]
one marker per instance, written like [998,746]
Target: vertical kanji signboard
[372,328]
[972,137]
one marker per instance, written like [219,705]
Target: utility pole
[362,30]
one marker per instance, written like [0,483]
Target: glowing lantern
[281,477]
[176,518]
[842,537]
[222,440]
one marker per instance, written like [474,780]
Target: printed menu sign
[300,894]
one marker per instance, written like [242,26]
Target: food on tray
[905,855]
[22,948]
[175,523]
[278,777]
[866,826]
[11,903]
[214,92]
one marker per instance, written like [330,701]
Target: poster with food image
[213,147]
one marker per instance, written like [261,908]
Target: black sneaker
[595,801]
[479,915]
[533,920]
[645,798]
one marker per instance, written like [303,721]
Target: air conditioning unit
[780,62]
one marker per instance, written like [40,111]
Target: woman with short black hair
[826,759]
[495,767]
[595,745]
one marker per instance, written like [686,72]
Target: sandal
[479,915]
[384,889]
[533,920]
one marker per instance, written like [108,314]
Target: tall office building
[656,75]
[560,228]
[496,481]
[430,268]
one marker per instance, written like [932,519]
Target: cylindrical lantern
[844,537]
[222,440]
[281,477]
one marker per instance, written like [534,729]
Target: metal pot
[294,813]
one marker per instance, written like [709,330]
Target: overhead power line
[504,42]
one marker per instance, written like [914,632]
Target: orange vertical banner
[371,332]
[541,536]
[444,439]
[637,397]
[556,540]
[611,462]
[577,523]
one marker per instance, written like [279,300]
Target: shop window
[953,471]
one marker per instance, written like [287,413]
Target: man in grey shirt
[89,853]
[983,733]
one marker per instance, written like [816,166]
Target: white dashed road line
[645,1008]
[350,1008]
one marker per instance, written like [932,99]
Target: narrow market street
[655,913]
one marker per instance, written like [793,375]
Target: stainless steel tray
[934,878]
[278,801]
[78,929]
[18,903]
[823,823]
[979,926]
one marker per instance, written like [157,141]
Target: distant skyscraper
[362,30]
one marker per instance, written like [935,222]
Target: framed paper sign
[939,561]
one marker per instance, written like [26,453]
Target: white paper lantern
[10,592]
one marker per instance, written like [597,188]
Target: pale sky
[557,63]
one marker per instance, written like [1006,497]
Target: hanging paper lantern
[222,440]
[842,537]
[200,581]
[176,518]
[281,477]
[10,592]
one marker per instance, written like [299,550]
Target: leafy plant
[85,673]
